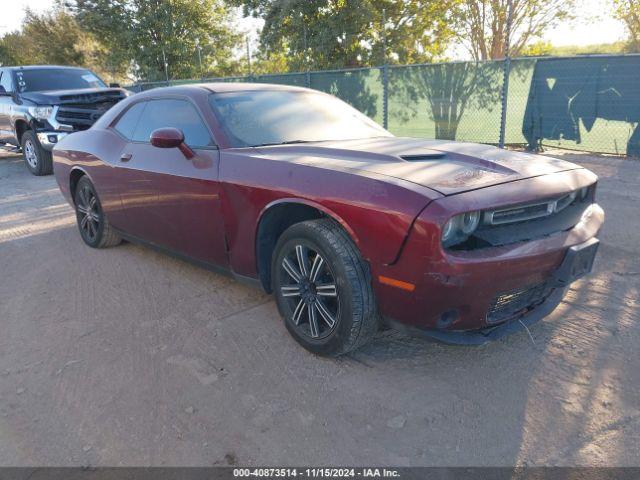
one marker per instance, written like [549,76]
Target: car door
[168,199]
[6,101]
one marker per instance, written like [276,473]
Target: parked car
[40,105]
[346,224]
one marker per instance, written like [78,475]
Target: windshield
[42,79]
[271,117]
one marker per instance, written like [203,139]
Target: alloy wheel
[88,213]
[30,154]
[309,287]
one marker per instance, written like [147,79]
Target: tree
[629,12]
[15,49]
[183,33]
[482,24]
[54,37]
[326,34]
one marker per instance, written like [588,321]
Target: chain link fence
[586,103]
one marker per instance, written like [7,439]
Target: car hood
[444,166]
[84,95]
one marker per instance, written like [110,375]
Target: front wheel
[323,288]
[94,227]
[38,160]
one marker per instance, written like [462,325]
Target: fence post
[505,78]
[385,96]
[246,38]
[385,73]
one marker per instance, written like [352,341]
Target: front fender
[375,210]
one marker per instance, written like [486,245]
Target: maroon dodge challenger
[349,226]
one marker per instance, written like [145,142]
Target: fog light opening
[447,319]
[53,138]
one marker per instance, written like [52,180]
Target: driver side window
[175,113]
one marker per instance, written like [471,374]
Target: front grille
[518,214]
[516,302]
[529,212]
[78,117]
[81,117]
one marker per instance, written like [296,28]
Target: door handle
[125,157]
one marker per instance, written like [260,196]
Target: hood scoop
[423,156]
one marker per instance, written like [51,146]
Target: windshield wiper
[289,142]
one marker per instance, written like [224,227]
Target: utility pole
[306,56]
[199,56]
[505,79]
[248,54]
[166,66]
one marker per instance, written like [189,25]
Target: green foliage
[326,34]
[629,12]
[14,50]
[541,48]
[55,37]
[185,33]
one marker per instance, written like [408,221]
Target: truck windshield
[42,79]
[270,117]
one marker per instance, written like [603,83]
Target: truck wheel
[38,160]
[323,288]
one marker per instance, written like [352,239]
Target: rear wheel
[39,161]
[323,288]
[92,222]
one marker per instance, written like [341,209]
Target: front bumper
[572,267]
[49,139]
[488,334]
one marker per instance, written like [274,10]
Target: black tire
[94,227]
[38,160]
[351,304]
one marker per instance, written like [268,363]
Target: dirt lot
[125,356]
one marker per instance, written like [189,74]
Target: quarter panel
[95,153]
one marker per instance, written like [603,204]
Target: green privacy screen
[453,101]
[589,103]
[361,88]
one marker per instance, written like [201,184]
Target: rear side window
[129,121]
[174,113]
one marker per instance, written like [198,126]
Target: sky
[593,25]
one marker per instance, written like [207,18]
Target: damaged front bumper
[577,263]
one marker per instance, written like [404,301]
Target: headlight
[41,112]
[469,222]
[460,227]
[448,230]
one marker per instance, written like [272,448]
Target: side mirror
[171,138]
[114,85]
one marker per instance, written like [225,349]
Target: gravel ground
[125,356]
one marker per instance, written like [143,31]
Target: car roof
[221,87]
[37,67]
